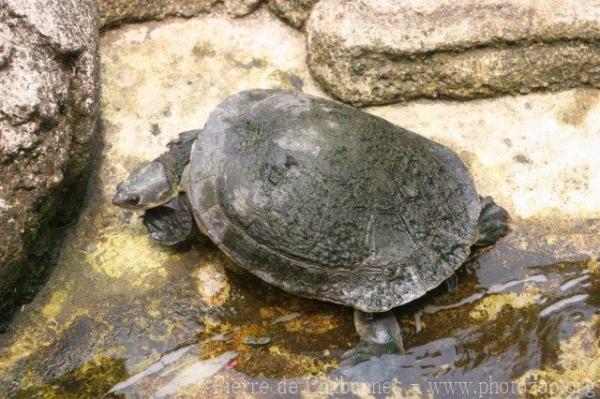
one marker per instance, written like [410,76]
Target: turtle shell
[328,202]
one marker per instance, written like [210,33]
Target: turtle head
[146,187]
[156,183]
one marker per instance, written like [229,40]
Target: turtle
[321,200]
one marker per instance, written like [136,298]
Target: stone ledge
[375,52]
[115,12]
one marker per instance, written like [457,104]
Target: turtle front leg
[171,224]
[379,335]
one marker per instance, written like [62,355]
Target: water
[515,320]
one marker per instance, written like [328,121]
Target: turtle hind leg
[379,335]
[172,224]
[493,223]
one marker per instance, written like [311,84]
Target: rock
[114,12]
[211,283]
[295,12]
[5,43]
[375,52]
[252,340]
[47,122]
[239,8]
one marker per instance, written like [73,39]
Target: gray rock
[5,43]
[239,8]
[47,122]
[295,12]
[115,12]
[374,52]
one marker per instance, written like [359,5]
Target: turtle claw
[366,351]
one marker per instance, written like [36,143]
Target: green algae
[577,369]
[308,344]
[92,380]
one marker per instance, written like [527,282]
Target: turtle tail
[493,223]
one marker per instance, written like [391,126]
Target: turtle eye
[133,200]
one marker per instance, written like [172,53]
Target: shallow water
[121,316]
[515,321]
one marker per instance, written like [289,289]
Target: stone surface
[49,86]
[295,12]
[374,52]
[120,313]
[115,12]
[239,8]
